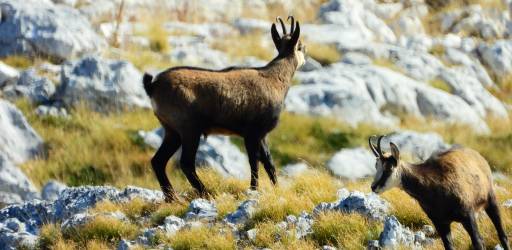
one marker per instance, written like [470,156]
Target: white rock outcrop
[43,28]
[102,84]
[18,140]
[352,163]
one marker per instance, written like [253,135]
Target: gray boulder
[201,209]
[310,65]
[35,88]
[371,94]
[43,28]
[33,214]
[14,181]
[102,84]
[7,72]
[52,190]
[418,146]
[353,163]
[172,224]
[369,205]
[355,17]
[303,225]
[199,54]
[216,151]
[149,195]
[243,213]
[19,141]
[78,199]
[498,57]
[51,110]
[80,219]
[13,236]
[7,198]
[295,169]
[395,235]
[249,25]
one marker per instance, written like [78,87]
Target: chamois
[452,185]
[190,102]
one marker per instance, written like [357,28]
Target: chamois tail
[147,81]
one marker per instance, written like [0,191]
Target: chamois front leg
[170,145]
[252,146]
[266,159]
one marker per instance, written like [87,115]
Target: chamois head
[289,43]
[387,175]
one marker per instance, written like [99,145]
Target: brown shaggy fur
[450,186]
[190,102]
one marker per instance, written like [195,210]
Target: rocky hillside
[77,131]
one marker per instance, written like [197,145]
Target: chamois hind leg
[190,143]
[493,212]
[170,144]
[252,146]
[444,231]
[471,227]
[266,159]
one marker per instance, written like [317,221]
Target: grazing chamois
[451,185]
[190,102]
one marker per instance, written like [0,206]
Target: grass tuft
[203,238]
[345,231]
[102,229]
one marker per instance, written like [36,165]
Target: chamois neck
[412,180]
[282,68]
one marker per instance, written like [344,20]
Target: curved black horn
[378,145]
[293,23]
[372,147]
[282,24]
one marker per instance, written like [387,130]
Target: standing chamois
[190,102]
[452,185]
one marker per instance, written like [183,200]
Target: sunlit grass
[324,54]
[18,61]
[202,238]
[100,230]
[252,44]
[345,231]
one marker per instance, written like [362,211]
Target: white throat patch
[299,55]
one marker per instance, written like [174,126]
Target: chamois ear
[275,36]
[295,35]
[394,151]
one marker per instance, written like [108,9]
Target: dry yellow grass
[345,231]
[324,54]
[21,62]
[253,44]
[203,238]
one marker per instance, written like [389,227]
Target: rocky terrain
[77,131]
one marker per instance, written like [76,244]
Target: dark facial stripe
[385,175]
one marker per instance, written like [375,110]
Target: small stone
[201,209]
[173,224]
[373,245]
[251,234]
